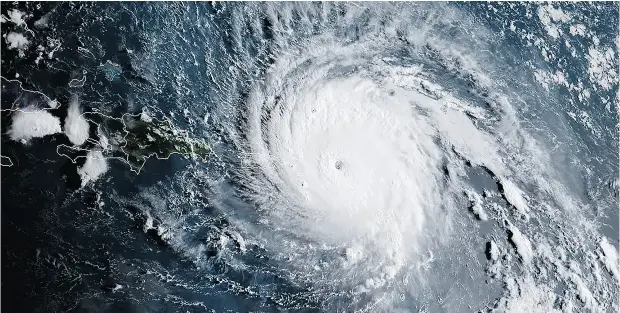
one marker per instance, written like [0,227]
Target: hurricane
[363,157]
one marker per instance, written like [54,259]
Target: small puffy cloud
[76,126]
[95,166]
[17,41]
[32,123]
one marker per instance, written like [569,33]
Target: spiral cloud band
[355,166]
[311,157]
[390,159]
